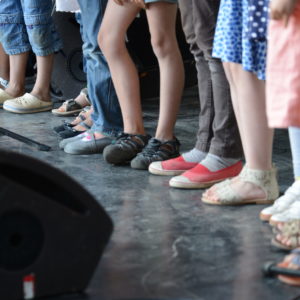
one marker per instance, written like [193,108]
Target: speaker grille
[21,240]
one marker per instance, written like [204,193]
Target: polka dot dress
[236,41]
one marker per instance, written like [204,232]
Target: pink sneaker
[171,167]
[200,177]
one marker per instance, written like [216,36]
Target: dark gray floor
[166,243]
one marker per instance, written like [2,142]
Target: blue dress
[234,43]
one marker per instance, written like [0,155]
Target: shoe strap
[164,149]
[265,179]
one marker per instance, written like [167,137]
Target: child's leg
[294,133]
[44,41]
[257,137]
[161,18]
[248,96]
[16,86]
[124,74]
[15,43]
[4,64]
[41,88]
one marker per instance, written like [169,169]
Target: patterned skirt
[233,43]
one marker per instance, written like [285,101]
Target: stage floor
[166,243]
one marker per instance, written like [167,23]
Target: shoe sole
[165,172]
[27,111]
[65,114]
[251,201]
[194,185]
[117,158]
[280,246]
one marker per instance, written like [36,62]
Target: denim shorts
[26,25]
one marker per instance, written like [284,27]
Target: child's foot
[291,262]
[212,169]
[125,148]
[291,213]
[90,143]
[194,156]
[171,167]
[178,165]
[73,106]
[251,186]
[27,104]
[156,150]
[282,203]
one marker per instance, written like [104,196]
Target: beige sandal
[289,230]
[4,96]
[266,180]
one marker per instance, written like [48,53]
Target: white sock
[194,155]
[215,163]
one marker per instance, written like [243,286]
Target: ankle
[15,90]
[43,95]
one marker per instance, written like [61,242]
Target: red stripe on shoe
[178,164]
[202,174]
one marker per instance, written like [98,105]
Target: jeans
[107,116]
[218,132]
[26,25]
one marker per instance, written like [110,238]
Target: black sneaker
[156,150]
[125,148]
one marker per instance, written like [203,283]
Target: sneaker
[289,214]
[201,177]
[156,150]
[88,145]
[125,148]
[26,104]
[171,167]
[282,203]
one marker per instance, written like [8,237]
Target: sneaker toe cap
[178,179]
[157,165]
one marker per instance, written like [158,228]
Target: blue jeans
[107,116]
[26,25]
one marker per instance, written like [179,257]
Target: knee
[163,45]
[110,44]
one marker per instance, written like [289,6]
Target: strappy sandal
[70,131]
[266,180]
[291,262]
[81,118]
[291,231]
[70,107]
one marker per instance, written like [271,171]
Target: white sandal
[266,180]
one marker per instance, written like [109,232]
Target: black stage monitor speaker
[52,231]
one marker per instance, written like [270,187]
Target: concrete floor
[166,243]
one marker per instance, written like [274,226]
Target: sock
[194,155]
[215,163]
[294,134]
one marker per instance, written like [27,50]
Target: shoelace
[126,140]
[152,148]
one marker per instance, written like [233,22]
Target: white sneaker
[291,213]
[282,203]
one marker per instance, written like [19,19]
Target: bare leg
[4,65]
[41,88]
[124,74]
[248,96]
[16,85]
[161,19]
